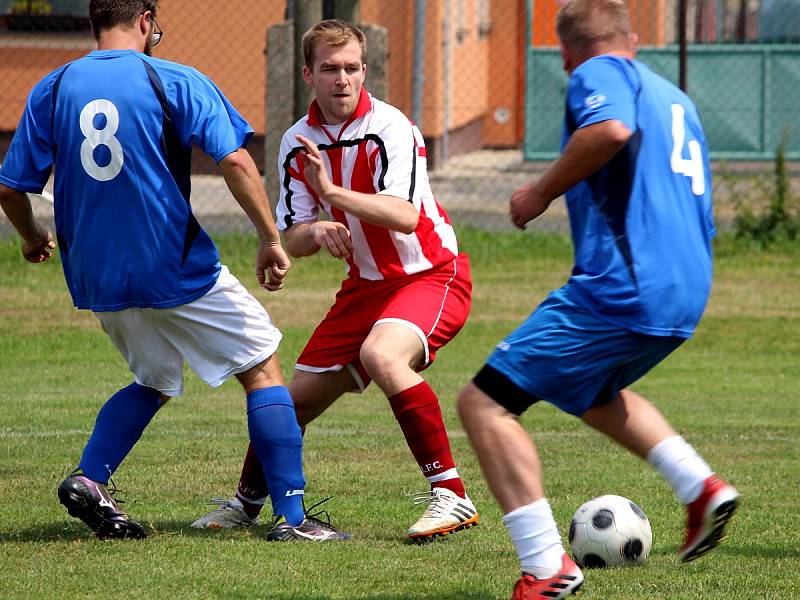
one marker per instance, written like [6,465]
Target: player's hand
[526,204]
[39,249]
[272,264]
[313,167]
[333,236]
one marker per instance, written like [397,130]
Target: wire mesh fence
[482,79]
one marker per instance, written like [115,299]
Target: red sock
[252,489]
[420,417]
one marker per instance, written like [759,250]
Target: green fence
[748,95]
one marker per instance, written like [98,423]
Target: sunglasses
[158,33]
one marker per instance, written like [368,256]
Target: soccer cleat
[310,530]
[446,513]
[92,503]
[564,583]
[707,517]
[229,514]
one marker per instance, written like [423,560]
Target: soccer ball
[610,531]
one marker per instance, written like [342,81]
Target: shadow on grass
[462,595]
[69,530]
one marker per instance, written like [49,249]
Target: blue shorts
[568,356]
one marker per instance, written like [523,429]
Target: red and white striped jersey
[376,151]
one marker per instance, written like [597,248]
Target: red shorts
[435,304]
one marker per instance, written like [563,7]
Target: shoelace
[434,498]
[309,515]
[111,488]
[322,512]
[223,503]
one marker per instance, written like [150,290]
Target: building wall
[648,19]
[23,64]
[504,120]
[227,45]
[462,88]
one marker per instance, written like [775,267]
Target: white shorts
[225,332]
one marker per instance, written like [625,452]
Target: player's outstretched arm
[391,212]
[244,182]
[37,241]
[589,149]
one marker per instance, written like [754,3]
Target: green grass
[732,391]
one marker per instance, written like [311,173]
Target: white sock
[535,536]
[682,467]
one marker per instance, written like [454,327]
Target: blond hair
[331,32]
[582,23]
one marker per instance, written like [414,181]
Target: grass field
[732,391]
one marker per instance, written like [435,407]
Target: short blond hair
[581,23]
[332,32]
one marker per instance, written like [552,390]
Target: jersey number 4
[99,123]
[692,167]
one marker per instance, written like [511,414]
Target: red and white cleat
[707,517]
[562,584]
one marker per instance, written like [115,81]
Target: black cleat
[310,530]
[92,503]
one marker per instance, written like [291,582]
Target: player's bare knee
[469,402]
[378,361]
[262,375]
[463,406]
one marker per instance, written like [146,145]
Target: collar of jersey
[315,118]
[112,52]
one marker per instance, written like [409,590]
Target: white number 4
[692,167]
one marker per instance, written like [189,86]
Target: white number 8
[101,137]
[692,167]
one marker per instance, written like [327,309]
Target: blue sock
[278,443]
[118,427]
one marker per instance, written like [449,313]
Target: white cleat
[229,514]
[446,513]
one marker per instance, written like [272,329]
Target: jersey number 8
[100,132]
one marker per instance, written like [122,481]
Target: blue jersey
[642,225]
[117,127]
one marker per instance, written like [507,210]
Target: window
[484,17]
[49,16]
[462,31]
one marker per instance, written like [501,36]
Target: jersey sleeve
[205,117]
[297,203]
[599,90]
[29,159]
[396,159]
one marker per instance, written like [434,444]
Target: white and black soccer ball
[610,531]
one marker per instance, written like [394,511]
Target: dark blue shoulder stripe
[178,157]
[53,99]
